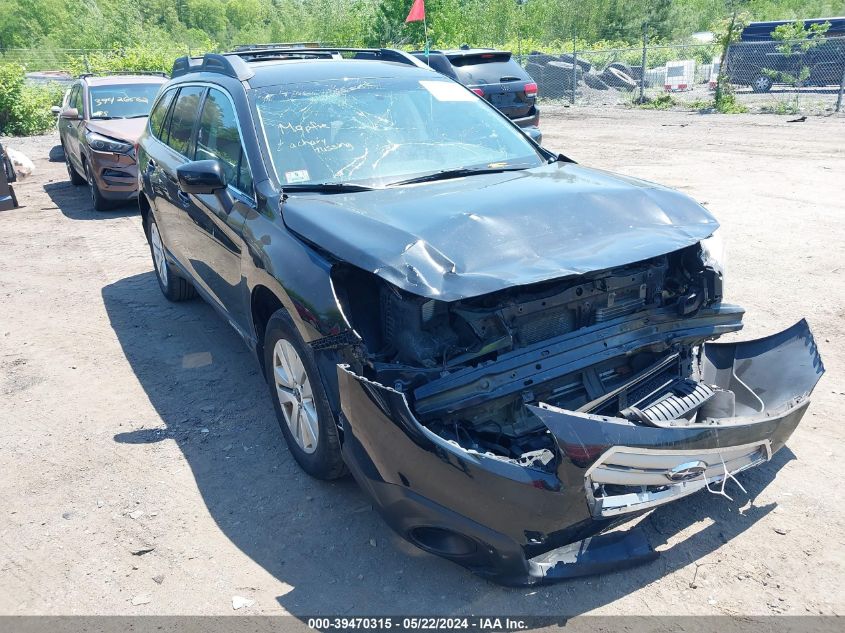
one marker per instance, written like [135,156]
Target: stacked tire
[618,79]
[555,74]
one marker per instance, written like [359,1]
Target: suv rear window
[488,68]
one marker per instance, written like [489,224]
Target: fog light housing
[442,541]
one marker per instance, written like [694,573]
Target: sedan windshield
[122,101]
[378,132]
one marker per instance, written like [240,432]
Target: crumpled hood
[466,237]
[128,130]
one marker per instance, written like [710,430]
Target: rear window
[488,68]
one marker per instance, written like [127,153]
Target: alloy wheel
[296,398]
[762,83]
[91,184]
[158,254]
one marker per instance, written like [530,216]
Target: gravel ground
[144,472]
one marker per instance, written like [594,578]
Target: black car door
[216,249]
[159,123]
[172,206]
[826,62]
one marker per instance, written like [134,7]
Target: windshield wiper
[106,118]
[445,174]
[326,187]
[136,116]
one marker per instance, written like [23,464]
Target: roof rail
[109,73]
[251,47]
[236,63]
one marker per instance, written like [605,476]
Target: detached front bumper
[517,525]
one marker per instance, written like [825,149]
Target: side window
[185,113]
[160,112]
[218,138]
[75,99]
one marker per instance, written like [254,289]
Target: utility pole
[574,68]
[723,64]
[642,72]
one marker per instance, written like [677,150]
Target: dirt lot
[143,470]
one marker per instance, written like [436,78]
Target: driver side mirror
[71,113]
[205,177]
[201,176]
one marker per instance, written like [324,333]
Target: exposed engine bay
[621,343]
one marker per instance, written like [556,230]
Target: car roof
[113,80]
[285,71]
[762,31]
[470,52]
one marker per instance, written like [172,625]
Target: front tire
[300,401]
[172,286]
[72,174]
[97,199]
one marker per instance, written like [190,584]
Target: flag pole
[425,30]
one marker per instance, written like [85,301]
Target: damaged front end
[506,431]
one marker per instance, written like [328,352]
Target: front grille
[627,479]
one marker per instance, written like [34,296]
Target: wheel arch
[264,302]
[145,208]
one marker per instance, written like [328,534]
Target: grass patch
[729,105]
[781,107]
[662,102]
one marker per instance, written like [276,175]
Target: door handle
[183,198]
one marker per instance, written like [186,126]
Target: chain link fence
[789,77]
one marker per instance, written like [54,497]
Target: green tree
[24,109]
[728,32]
[389,28]
[660,20]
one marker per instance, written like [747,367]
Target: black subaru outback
[511,353]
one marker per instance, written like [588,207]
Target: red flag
[417,12]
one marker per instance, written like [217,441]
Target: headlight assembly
[713,252]
[102,143]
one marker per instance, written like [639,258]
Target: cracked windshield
[378,132]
